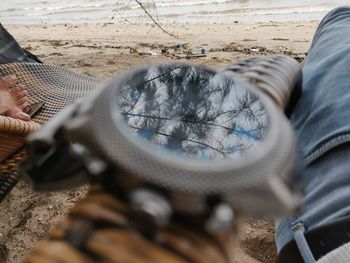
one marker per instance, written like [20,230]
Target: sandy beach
[106,50]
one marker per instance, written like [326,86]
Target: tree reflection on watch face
[193,112]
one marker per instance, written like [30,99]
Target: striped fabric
[11,51]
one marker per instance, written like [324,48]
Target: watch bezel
[153,168]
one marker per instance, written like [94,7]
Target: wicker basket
[12,135]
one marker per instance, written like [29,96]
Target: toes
[16,98]
[22,116]
[19,92]
[18,89]
[10,79]
[7,82]
[21,101]
[17,114]
[20,96]
[24,107]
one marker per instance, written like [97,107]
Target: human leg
[322,125]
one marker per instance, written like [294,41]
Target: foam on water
[166,11]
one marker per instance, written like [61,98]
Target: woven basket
[56,87]
[12,135]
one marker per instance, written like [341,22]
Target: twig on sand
[154,21]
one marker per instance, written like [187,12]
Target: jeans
[321,121]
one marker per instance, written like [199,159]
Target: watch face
[192,112]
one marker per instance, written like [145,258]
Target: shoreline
[105,50]
[150,23]
[170,23]
[294,37]
[176,13]
[279,18]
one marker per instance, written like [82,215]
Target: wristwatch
[175,139]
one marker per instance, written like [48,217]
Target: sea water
[163,11]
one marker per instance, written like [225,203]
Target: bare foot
[13,99]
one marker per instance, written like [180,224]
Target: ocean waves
[166,11]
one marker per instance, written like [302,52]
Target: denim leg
[321,121]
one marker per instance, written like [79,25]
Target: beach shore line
[106,50]
[223,43]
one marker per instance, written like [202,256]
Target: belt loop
[298,229]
